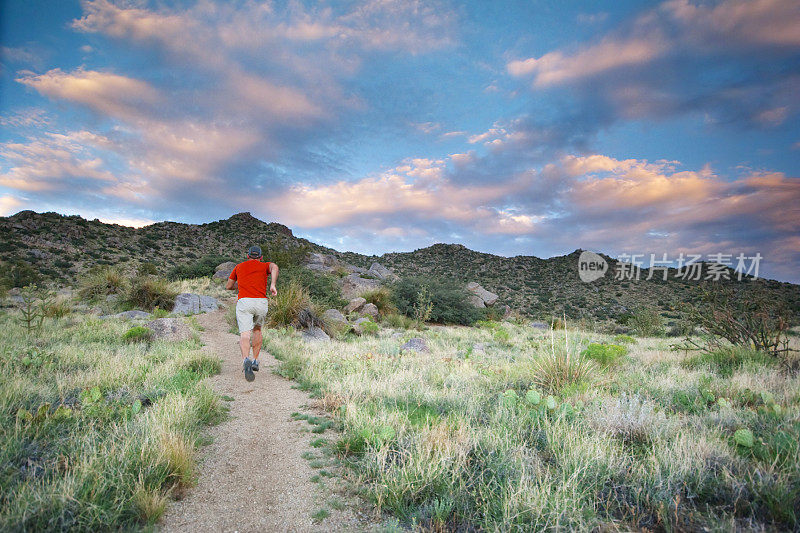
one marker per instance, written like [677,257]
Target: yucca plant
[285,308]
[563,365]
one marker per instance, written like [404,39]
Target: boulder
[322,262]
[315,334]
[223,270]
[333,316]
[353,285]
[187,303]
[354,305]
[540,325]
[371,310]
[488,298]
[131,315]
[479,348]
[381,272]
[476,301]
[170,329]
[228,265]
[415,344]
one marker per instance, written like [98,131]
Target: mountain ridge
[63,247]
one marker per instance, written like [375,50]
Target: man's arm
[273,273]
[231,284]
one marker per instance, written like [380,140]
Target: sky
[512,127]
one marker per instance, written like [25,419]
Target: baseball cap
[254,251]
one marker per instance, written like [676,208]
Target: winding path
[253,476]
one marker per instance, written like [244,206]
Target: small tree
[748,318]
[423,307]
[34,306]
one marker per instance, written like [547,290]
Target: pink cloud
[110,94]
[557,68]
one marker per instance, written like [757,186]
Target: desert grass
[96,432]
[495,429]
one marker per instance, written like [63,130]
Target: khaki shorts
[250,312]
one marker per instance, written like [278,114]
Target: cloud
[54,162]
[416,191]
[9,205]
[727,60]
[556,68]
[590,201]
[109,94]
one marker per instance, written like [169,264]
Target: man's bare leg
[244,343]
[257,340]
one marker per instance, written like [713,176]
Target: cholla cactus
[630,418]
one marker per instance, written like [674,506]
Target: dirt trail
[252,477]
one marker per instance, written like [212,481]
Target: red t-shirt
[252,278]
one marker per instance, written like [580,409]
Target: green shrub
[450,301]
[646,322]
[102,281]
[160,313]
[137,334]
[285,254]
[285,308]
[605,354]
[369,327]
[624,339]
[398,321]
[148,269]
[20,274]
[202,268]
[382,299]
[323,289]
[149,292]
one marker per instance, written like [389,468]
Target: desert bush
[747,318]
[646,322]
[323,289]
[203,267]
[149,292]
[285,308]
[285,254]
[58,308]
[137,334]
[681,328]
[449,301]
[19,274]
[382,299]
[605,354]
[398,321]
[148,269]
[368,327]
[101,282]
[629,418]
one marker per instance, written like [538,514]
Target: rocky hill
[60,248]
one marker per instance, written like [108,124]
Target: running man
[251,307]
